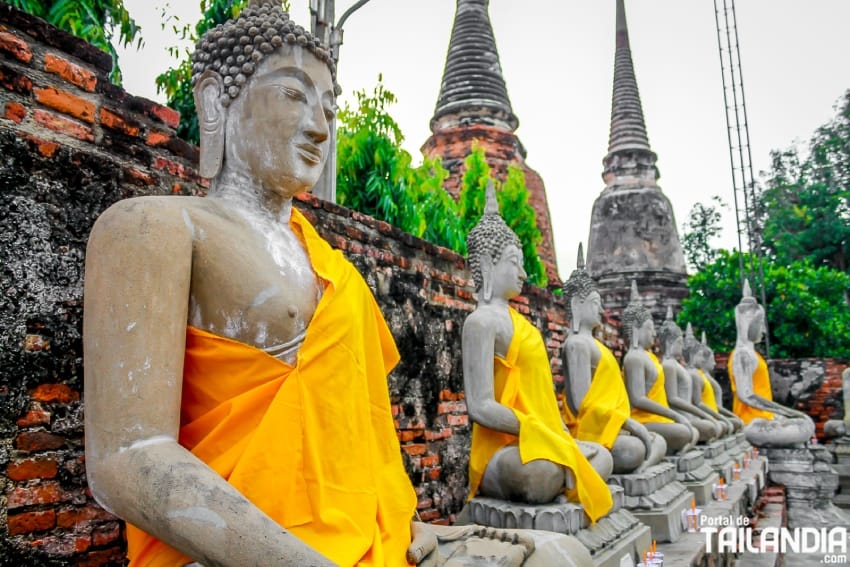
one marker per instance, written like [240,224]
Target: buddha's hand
[423,544]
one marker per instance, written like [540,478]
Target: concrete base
[629,545]
[691,467]
[666,522]
[702,490]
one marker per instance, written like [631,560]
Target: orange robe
[523,382]
[761,386]
[605,407]
[312,445]
[708,397]
[657,394]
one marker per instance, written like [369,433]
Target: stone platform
[656,498]
[718,457]
[695,474]
[810,485]
[841,452]
[612,539]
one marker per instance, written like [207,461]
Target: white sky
[557,59]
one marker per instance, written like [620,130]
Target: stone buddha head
[637,322]
[706,362]
[692,350]
[265,93]
[670,334]
[749,317]
[495,254]
[584,301]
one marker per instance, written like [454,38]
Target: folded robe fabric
[605,406]
[523,383]
[312,445]
[708,397]
[657,394]
[761,387]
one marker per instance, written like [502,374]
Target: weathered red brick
[63,125]
[114,121]
[71,517]
[408,435]
[36,343]
[171,167]
[30,522]
[29,469]
[424,503]
[105,534]
[34,418]
[66,103]
[451,407]
[15,46]
[47,149]
[63,545]
[434,473]
[71,72]
[168,115]
[414,449]
[101,557]
[157,138]
[138,177]
[48,492]
[55,393]
[32,441]
[14,81]
[14,112]
[443,433]
[428,515]
[457,420]
[430,460]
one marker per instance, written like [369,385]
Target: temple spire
[472,80]
[628,129]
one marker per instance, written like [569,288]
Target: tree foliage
[806,201]
[103,23]
[702,226]
[806,312]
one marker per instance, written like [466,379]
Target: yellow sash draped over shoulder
[708,397]
[657,394]
[605,407]
[523,382]
[761,387]
[312,445]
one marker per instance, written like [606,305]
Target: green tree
[702,226]
[806,312]
[442,224]
[103,23]
[806,201]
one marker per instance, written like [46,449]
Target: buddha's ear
[486,263]
[211,121]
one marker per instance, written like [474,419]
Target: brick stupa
[633,232]
[474,105]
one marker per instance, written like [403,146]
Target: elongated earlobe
[487,277]
[211,121]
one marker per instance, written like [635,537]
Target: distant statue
[767,424]
[521,450]
[230,352]
[707,394]
[645,381]
[841,427]
[596,407]
[679,384]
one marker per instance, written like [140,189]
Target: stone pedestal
[694,474]
[810,485]
[656,498]
[841,450]
[718,458]
[613,537]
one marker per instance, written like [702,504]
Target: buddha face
[508,274]
[755,331]
[706,360]
[645,334]
[587,311]
[277,128]
[674,348]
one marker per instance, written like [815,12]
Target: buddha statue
[766,423]
[645,381]
[707,394]
[521,449]
[679,383]
[596,405]
[216,327]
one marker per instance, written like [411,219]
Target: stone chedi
[767,424]
[520,449]
[679,382]
[707,394]
[645,381]
[633,233]
[596,405]
[474,106]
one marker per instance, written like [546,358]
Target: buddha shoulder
[157,217]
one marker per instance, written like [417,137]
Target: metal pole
[321,26]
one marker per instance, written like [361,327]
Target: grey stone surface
[666,522]
[713,449]
[702,489]
[688,462]
[561,516]
[646,482]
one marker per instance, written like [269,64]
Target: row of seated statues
[230,351]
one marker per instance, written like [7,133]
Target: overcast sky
[557,59]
